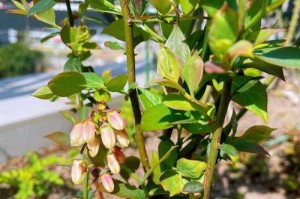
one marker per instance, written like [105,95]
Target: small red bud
[119,155]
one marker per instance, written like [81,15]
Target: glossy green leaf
[59,138]
[287,57]
[256,134]
[162,6]
[242,48]
[117,84]
[148,98]
[132,163]
[93,80]
[170,84]
[73,64]
[47,16]
[255,7]
[113,45]
[243,145]
[177,102]
[171,181]
[67,83]
[254,99]
[188,6]
[176,43]
[163,148]
[168,65]
[192,72]
[228,150]
[160,117]
[259,37]
[226,20]
[43,93]
[190,168]
[41,6]
[103,5]
[193,187]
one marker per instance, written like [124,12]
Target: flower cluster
[105,128]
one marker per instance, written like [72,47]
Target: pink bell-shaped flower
[77,171]
[112,163]
[76,136]
[88,130]
[122,138]
[107,182]
[115,120]
[93,147]
[107,136]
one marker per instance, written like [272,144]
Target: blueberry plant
[213,53]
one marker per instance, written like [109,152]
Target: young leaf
[73,64]
[169,83]
[162,6]
[190,168]
[168,65]
[160,117]
[67,83]
[47,16]
[93,80]
[178,102]
[117,83]
[113,45]
[68,116]
[171,181]
[163,148]
[259,37]
[148,98]
[176,43]
[188,6]
[256,134]
[254,99]
[104,6]
[41,6]
[192,72]
[229,150]
[193,187]
[59,138]
[157,171]
[43,93]
[211,6]
[242,48]
[287,57]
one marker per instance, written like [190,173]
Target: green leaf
[67,83]
[73,64]
[169,83]
[193,187]
[287,57]
[177,102]
[84,112]
[160,117]
[124,190]
[168,65]
[243,145]
[132,163]
[148,98]
[102,95]
[99,159]
[192,72]
[256,134]
[157,170]
[104,6]
[59,138]
[242,48]
[176,43]
[254,99]
[229,150]
[70,35]
[41,6]
[48,16]
[226,20]
[113,45]
[162,6]
[93,80]
[188,6]
[190,168]
[68,116]
[171,181]
[117,83]
[211,6]
[163,148]
[43,93]
[259,37]
[51,35]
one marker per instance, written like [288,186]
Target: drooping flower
[76,136]
[77,171]
[88,131]
[115,120]
[112,163]
[107,136]
[122,138]
[93,147]
[107,182]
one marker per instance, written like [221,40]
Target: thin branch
[70,14]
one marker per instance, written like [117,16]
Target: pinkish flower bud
[115,120]
[112,163]
[76,137]
[119,155]
[93,147]
[122,138]
[107,182]
[77,171]
[88,130]
[108,136]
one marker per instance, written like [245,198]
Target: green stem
[293,23]
[128,27]
[216,138]
[86,185]
[70,14]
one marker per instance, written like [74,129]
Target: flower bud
[88,130]
[93,147]
[76,137]
[107,182]
[115,120]
[77,171]
[119,155]
[112,163]
[101,106]
[107,136]
[122,138]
